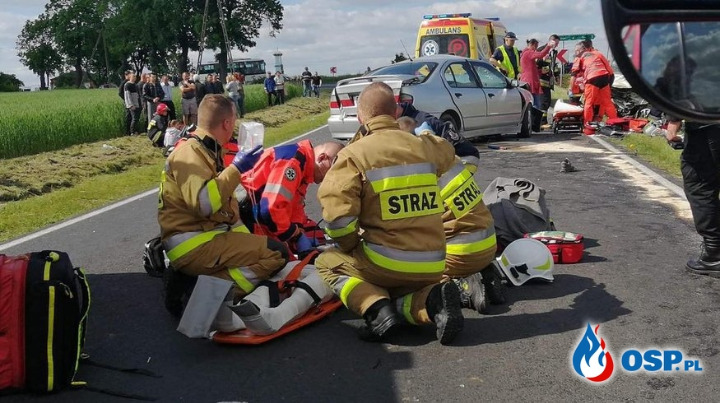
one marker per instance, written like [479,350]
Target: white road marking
[105,209]
[647,171]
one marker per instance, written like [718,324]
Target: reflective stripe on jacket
[385,183]
[279,182]
[194,198]
[469,226]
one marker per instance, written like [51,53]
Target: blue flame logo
[590,359]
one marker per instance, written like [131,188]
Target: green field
[33,122]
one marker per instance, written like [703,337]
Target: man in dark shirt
[507,58]
[218,85]
[152,94]
[306,79]
[316,83]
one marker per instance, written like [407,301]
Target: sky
[355,34]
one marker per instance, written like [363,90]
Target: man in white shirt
[279,88]
[167,97]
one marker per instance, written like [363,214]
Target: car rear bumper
[343,128]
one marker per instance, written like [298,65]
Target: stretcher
[313,315]
[567,117]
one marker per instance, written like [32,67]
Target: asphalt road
[631,282]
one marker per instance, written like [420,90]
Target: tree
[37,51]
[10,83]
[398,58]
[76,27]
[243,19]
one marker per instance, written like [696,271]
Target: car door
[465,93]
[504,103]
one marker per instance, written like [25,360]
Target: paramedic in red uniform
[598,77]
[276,188]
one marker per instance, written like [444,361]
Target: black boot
[380,319]
[445,309]
[177,288]
[472,292]
[494,287]
[708,263]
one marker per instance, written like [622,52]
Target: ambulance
[460,35]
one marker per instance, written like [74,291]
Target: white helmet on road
[525,259]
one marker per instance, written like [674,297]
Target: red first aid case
[566,247]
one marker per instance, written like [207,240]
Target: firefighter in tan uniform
[198,212]
[469,231]
[382,205]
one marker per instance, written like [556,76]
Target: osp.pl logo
[592,361]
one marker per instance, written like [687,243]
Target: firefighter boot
[708,263]
[494,287]
[444,307]
[380,319]
[472,292]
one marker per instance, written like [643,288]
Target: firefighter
[382,206]
[198,212]
[598,77]
[507,58]
[157,126]
[279,182]
[469,232]
[549,74]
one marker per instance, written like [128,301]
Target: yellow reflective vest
[507,65]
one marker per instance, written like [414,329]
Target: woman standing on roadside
[236,92]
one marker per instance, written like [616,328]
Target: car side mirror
[667,51]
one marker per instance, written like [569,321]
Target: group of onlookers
[143,94]
[311,83]
[142,98]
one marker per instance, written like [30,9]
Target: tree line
[99,39]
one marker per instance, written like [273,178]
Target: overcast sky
[353,35]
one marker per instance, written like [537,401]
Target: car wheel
[448,118]
[525,125]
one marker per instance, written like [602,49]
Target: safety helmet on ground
[525,259]
[161,109]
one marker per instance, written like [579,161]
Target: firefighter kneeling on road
[469,231]
[382,206]
[278,183]
[198,212]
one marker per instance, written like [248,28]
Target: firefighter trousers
[467,265]
[359,284]
[244,259]
[598,101]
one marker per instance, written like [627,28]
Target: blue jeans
[307,91]
[537,101]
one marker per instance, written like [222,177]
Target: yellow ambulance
[460,35]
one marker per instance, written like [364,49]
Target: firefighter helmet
[161,109]
[525,259]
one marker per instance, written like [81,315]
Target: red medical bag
[566,247]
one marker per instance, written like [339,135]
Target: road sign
[576,37]
[333,70]
[560,56]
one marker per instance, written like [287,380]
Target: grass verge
[90,182]
[654,150]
